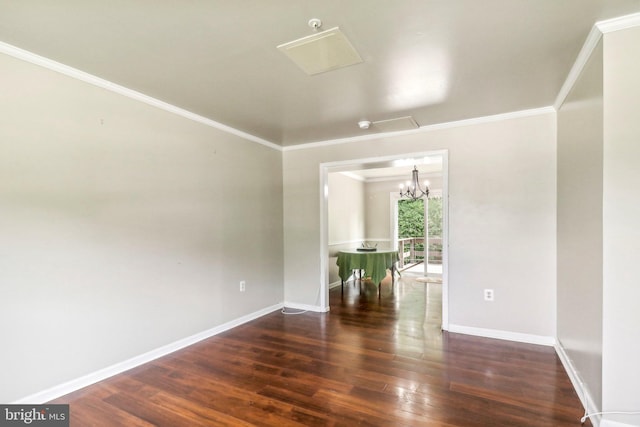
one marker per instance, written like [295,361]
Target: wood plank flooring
[368,362]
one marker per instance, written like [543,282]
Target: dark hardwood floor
[369,362]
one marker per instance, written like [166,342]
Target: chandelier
[414,191]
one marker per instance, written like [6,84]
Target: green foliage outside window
[411,223]
[411,218]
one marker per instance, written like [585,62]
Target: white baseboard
[611,423]
[335,284]
[586,398]
[502,335]
[578,384]
[306,307]
[102,374]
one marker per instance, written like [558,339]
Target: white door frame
[343,165]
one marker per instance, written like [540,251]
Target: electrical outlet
[243,286]
[488,294]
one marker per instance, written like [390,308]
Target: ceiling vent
[324,51]
[395,125]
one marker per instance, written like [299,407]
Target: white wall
[621,225]
[123,228]
[346,217]
[580,133]
[378,211]
[598,228]
[502,185]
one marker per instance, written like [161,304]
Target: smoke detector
[364,124]
[315,23]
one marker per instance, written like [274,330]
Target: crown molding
[620,23]
[66,70]
[598,29]
[581,61]
[425,129]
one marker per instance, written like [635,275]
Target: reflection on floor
[418,304]
[418,268]
[446,378]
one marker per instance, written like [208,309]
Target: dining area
[367,262]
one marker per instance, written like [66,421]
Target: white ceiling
[396,170]
[435,60]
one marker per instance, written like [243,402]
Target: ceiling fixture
[364,124]
[395,125]
[391,125]
[323,51]
[414,191]
[315,23]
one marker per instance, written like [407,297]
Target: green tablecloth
[375,264]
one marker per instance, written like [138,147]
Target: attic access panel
[322,52]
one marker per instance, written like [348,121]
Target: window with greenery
[411,222]
[411,218]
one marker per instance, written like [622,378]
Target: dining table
[375,264]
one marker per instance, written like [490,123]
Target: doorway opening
[419,235]
[411,233]
[376,175]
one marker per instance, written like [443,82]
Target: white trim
[599,28]
[102,374]
[583,57]
[503,335]
[403,178]
[354,176]
[41,61]
[324,239]
[346,242]
[445,240]
[358,241]
[579,386]
[340,165]
[307,307]
[424,129]
[611,423]
[393,223]
[335,284]
[619,23]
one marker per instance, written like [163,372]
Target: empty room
[203,217]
